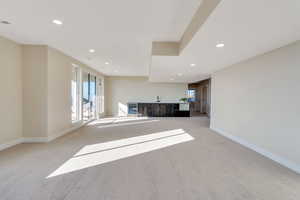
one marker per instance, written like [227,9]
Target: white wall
[258,101]
[10,90]
[121,90]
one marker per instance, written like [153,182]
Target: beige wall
[121,90]
[34,91]
[59,90]
[35,88]
[47,91]
[258,101]
[10,90]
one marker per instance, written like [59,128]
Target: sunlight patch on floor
[96,154]
[116,120]
[126,124]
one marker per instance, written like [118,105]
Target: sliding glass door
[100,96]
[89,94]
[93,97]
[75,92]
[85,96]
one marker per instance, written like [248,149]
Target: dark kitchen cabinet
[161,110]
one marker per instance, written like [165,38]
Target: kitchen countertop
[162,102]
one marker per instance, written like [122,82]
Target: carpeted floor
[143,159]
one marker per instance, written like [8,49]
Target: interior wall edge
[280,160]
[11,107]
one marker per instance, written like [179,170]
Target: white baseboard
[10,144]
[276,158]
[41,139]
[53,137]
[35,140]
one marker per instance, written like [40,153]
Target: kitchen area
[159,109]
[137,96]
[196,103]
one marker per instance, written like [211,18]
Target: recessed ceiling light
[107,63]
[179,74]
[193,65]
[92,50]
[220,45]
[5,22]
[57,22]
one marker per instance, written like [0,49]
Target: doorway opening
[200,99]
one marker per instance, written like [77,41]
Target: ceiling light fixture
[193,65]
[107,63]
[179,74]
[92,50]
[57,22]
[220,45]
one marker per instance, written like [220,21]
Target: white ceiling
[247,28]
[121,32]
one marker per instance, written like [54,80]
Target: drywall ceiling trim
[165,48]
[202,14]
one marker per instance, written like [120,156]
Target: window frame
[77,71]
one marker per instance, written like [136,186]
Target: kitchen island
[159,109]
